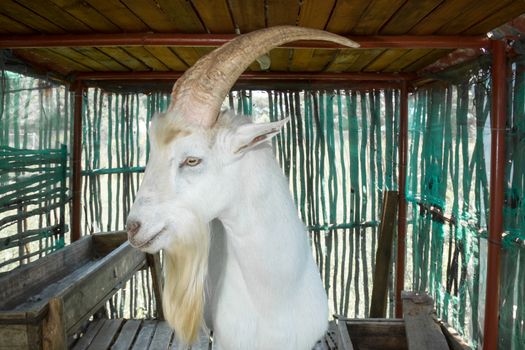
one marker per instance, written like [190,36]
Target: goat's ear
[248,136]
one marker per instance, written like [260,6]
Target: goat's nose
[132,227]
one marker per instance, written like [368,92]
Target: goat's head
[191,177]
[193,165]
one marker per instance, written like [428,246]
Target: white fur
[263,288]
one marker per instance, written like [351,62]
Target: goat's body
[264,289]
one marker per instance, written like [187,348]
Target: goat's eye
[192,161]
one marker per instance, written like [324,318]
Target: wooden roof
[205,17]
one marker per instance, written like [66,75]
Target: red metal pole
[214,40]
[77,163]
[402,210]
[497,176]
[155,75]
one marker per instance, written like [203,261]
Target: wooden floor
[133,334]
[151,335]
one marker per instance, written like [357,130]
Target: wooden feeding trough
[45,302]
[417,330]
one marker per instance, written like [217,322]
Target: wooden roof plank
[301,59]
[190,55]
[345,16]
[124,58]
[248,15]
[407,59]
[441,15]
[87,14]
[55,15]
[431,57]
[411,13]
[78,57]
[151,15]
[364,59]
[102,58]
[477,12]
[183,16]
[385,59]
[119,15]
[9,25]
[41,61]
[215,15]
[67,64]
[498,18]
[280,59]
[376,15]
[416,60]
[321,59]
[143,55]
[282,12]
[343,61]
[167,57]
[315,14]
[28,17]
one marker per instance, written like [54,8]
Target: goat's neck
[263,230]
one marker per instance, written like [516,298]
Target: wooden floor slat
[157,335]
[162,337]
[145,335]
[106,335]
[127,335]
[91,332]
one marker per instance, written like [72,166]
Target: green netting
[340,153]
[512,301]
[448,193]
[34,138]
[114,151]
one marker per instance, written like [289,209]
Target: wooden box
[44,302]
[417,330]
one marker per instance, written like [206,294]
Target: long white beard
[186,267]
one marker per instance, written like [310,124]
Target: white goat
[215,200]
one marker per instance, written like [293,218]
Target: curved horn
[197,96]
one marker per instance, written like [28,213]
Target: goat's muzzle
[133,227]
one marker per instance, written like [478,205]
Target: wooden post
[345,343]
[497,176]
[422,330]
[384,255]
[77,164]
[54,332]
[402,211]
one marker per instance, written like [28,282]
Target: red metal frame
[497,176]
[78,89]
[368,42]
[345,76]
[402,208]
[214,40]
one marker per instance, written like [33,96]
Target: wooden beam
[345,343]
[384,255]
[215,40]
[402,208]
[275,76]
[422,330]
[54,332]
